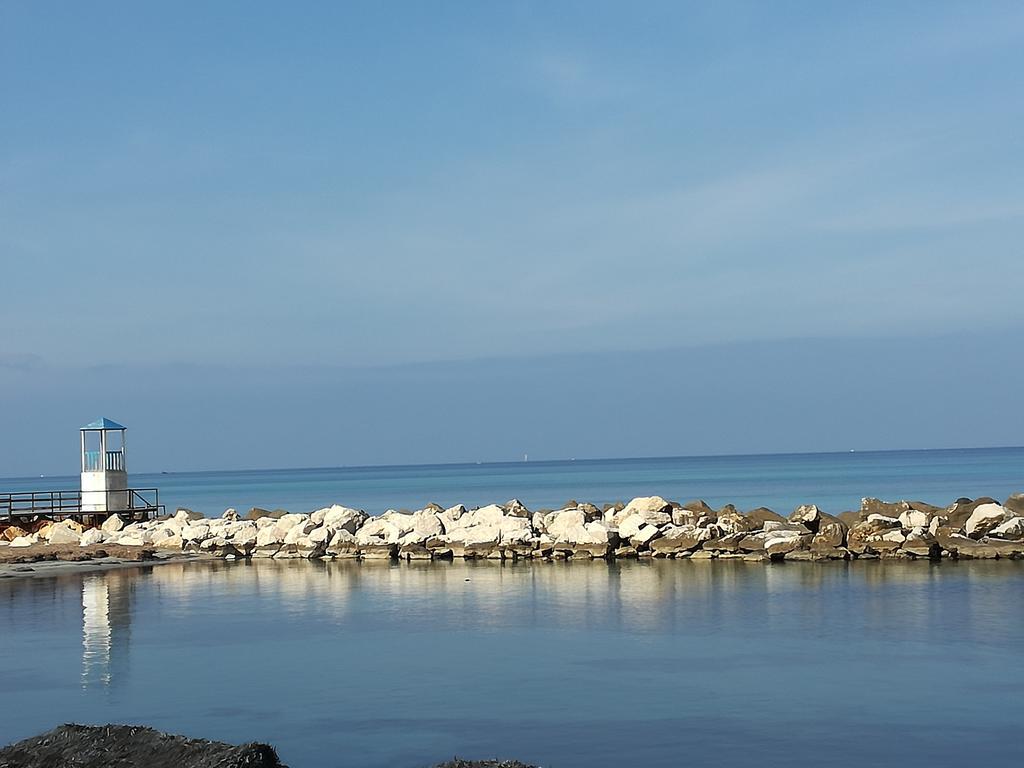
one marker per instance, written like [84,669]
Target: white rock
[132,540]
[25,541]
[171,541]
[631,525]
[558,524]
[377,530]
[644,534]
[61,533]
[913,518]
[93,536]
[1011,529]
[986,517]
[653,509]
[299,531]
[343,518]
[196,532]
[112,524]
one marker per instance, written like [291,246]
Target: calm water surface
[834,481]
[586,664]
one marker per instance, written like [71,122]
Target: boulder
[831,533]
[342,518]
[756,518]
[93,536]
[863,536]
[643,536]
[733,522]
[914,518]
[676,539]
[377,531]
[258,513]
[63,533]
[112,524]
[131,540]
[653,509]
[516,508]
[557,524]
[807,515]
[195,533]
[1011,529]
[783,542]
[921,543]
[959,512]
[343,545]
[299,531]
[870,506]
[985,518]
[24,541]
[961,546]
[728,543]
[230,514]
[1015,504]
[172,541]
[12,532]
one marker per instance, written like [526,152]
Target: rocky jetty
[127,746]
[645,527]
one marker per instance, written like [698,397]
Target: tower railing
[136,503]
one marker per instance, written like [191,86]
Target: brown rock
[1015,504]
[758,517]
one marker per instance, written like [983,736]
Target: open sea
[661,663]
[835,482]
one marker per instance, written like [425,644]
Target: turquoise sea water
[834,481]
[573,665]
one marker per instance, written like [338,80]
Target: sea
[567,664]
[836,482]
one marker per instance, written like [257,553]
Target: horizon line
[514,462]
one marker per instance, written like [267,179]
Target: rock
[230,514]
[101,746]
[343,545]
[187,514]
[172,541]
[343,518]
[961,546]
[24,541]
[959,512]
[516,508]
[1011,529]
[807,515]
[298,531]
[653,509]
[921,543]
[557,524]
[195,533]
[863,536]
[678,539]
[913,518]
[1015,504]
[131,540]
[643,536]
[756,518]
[786,541]
[893,509]
[257,513]
[12,532]
[831,533]
[63,533]
[112,524]
[377,531]
[93,536]
[733,522]
[985,518]
[727,543]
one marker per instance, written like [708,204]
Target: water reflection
[106,626]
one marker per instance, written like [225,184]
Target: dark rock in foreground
[130,746]
[126,746]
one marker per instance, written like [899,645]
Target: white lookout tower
[104,478]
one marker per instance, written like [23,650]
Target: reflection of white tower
[103,467]
[96,632]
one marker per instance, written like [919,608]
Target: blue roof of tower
[103,423]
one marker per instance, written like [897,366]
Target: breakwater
[644,527]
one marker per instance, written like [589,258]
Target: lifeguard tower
[104,476]
[104,487]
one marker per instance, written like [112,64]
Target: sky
[322,233]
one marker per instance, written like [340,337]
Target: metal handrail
[67,502]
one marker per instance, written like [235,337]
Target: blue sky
[251,190]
